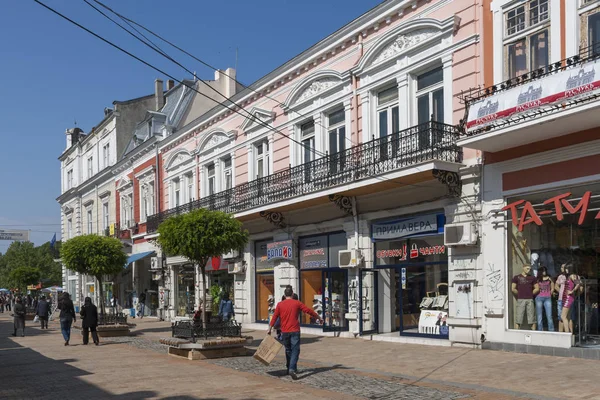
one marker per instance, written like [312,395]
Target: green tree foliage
[200,235]
[25,254]
[20,277]
[95,256]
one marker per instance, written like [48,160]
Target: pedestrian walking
[42,311]
[67,316]
[35,302]
[89,321]
[19,316]
[2,301]
[288,312]
[142,302]
[226,311]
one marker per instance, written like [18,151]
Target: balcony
[552,101]
[416,145]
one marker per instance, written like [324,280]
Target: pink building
[343,164]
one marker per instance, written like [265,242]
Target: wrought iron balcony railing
[528,104]
[427,141]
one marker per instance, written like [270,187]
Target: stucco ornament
[317,87]
[403,42]
[214,141]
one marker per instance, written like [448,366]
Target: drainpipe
[354,83]
[355,217]
[157,183]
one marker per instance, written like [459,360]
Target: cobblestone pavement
[348,383]
[139,342]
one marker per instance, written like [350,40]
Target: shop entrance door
[366,298]
[335,303]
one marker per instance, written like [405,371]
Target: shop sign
[216,264]
[414,252]
[314,253]
[405,227]
[279,250]
[547,91]
[558,205]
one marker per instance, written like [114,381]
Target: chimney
[170,84]
[159,94]
[230,84]
[73,136]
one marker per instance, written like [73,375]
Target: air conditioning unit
[232,255]
[349,258]
[236,268]
[463,234]
[155,263]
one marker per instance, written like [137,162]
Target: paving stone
[330,378]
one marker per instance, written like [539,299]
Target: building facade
[344,166]
[535,125]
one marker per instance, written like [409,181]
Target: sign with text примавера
[14,234]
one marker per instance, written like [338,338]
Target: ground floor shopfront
[402,287]
[544,221]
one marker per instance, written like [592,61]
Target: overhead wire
[131,22]
[273,129]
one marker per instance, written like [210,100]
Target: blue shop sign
[407,227]
[279,250]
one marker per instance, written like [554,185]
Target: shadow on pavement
[27,374]
[303,340]
[138,332]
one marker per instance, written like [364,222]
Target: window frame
[189,185]
[526,34]
[429,92]
[227,172]
[211,179]
[106,154]
[176,192]
[90,223]
[105,215]
[265,157]
[70,179]
[90,166]
[387,107]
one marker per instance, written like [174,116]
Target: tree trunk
[203,269]
[100,290]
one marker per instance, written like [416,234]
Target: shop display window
[418,268]
[265,299]
[186,293]
[323,286]
[555,233]
[311,283]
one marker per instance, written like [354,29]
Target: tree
[25,254]
[95,256]
[20,277]
[200,235]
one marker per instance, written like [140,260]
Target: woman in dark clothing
[67,316]
[89,321]
[42,311]
[19,316]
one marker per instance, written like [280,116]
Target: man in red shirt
[288,312]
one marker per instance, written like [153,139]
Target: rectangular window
[210,172]
[337,141]
[90,167]
[69,179]
[189,178]
[594,34]
[227,173]
[177,192]
[526,15]
[307,133]
[144,203]
[261,165]
[69,228]
[89,222]
[106,155]
[430,105]
[130,221]
[105,216]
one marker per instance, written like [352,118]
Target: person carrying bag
[89,321]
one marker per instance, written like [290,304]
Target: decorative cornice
[403,42]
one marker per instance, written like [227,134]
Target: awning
[137,256]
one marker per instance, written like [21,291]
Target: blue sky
[52,74]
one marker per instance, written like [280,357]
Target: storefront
[323,285]
[219,281]
[553,257]
[265,282]
[185,298]
[411,256]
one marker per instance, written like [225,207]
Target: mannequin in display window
[543,301]
[570,292]
[524,288]
[559,288]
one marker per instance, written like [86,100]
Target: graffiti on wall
[494,283]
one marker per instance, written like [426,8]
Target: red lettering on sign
[582,207]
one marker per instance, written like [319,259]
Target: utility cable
[131,22]
[194,89]
[161,71]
